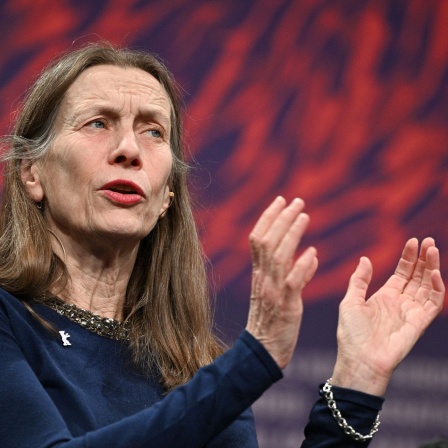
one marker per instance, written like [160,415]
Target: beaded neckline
[102,326]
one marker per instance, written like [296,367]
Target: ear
[29,174]
[168,199]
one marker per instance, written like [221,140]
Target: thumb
[359,281]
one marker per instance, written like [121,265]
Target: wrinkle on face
[129,102]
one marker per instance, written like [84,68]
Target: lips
[123,191]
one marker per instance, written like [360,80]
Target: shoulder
[16,319]
[5,295]
[10,303]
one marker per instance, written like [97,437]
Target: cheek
[65,181]
[159,170]
[168,165]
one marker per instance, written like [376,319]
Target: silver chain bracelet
[331,403]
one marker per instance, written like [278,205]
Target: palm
[381,331]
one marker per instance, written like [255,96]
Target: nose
[126,151]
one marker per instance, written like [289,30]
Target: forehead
[123,87]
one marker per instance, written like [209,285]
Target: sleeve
[241,434]
[190,416]
[360,411]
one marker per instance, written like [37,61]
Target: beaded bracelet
[331,403]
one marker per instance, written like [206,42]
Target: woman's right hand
[276,307]
[376,334]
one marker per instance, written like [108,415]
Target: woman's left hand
[375,335]
[278,278]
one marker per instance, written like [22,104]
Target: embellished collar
[102,326]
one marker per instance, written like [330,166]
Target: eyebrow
[147,114]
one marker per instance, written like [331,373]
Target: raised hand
[277,279]
[375,335]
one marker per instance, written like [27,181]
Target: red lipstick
[123,191]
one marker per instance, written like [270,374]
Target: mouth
[123,192]
[125,187]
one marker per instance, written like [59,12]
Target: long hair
[167,301]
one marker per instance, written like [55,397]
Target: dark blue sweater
[88,394]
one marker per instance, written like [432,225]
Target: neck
[97,276]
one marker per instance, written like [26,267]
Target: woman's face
[106,173]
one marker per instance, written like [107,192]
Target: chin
[128,232]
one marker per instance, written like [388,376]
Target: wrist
[359,376]
[350,431]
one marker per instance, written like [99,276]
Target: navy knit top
[88,394]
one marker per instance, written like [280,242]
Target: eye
[97,124]
[155,133]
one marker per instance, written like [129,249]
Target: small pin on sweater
[65,337]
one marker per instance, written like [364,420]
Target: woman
[105,330]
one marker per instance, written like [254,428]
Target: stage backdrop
[343,103]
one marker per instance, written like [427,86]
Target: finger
[438,289]
[359,281]
[283,256]
[426,244]
[301,273]
[291,239]
[256,238]
[261,227]
[434,304]
[311,271]
[421,275]
[273,264]
[281,224]
[432,263]
[268,216]
[406,266]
